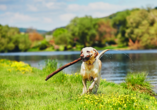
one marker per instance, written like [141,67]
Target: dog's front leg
[92,85]
[84,86]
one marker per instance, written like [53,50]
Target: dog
[91,68]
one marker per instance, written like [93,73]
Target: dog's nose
[81,55]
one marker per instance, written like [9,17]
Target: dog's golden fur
[91,68]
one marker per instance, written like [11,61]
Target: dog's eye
[88,51]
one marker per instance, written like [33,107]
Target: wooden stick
[61,68]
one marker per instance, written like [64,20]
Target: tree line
[135,28]
[11,40]
[85,31]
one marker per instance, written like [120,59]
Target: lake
[116,64]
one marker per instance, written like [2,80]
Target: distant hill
[50,32]
[39,31]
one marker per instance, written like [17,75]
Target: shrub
[137,82]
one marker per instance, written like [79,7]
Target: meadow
[24,87]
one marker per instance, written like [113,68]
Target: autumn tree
[34,36]
[106,33]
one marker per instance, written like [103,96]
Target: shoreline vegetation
[24,87]
[132,29]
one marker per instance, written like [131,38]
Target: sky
[50,14]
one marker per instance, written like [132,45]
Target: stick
[61,68]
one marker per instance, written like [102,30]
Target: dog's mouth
[86,58]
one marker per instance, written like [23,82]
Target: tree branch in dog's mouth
[61,68]
[85,59]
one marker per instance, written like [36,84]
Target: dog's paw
[90,89]
[84,92]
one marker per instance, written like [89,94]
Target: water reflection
[115,64]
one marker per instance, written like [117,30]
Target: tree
[63,39]
[84,29]
[23,42]
[34,36]
[142,27]
[12,40]
[106,33]
[59,31]
[120,23]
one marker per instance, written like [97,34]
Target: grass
[29,90]
[112,47]
[137,82]
[78,48]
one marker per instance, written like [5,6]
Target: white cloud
[95,9]
[38,13]
[76,7]
[32,8]
[22,17]
[95,6]
[49,5]
[3,7]
[54,5]
[16,17]
[47,20]
[67,17]
[102,6]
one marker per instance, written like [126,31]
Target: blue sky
[50,14]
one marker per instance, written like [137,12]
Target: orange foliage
[105,30]
[154,42]
[135,46]
[51,42]
[34,36]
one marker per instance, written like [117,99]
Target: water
[115,64]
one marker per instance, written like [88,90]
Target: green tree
[12,40]
[59,31]
[142,27]
[6,36]
[84,29]
[23,42]
[120,23]
[63,39]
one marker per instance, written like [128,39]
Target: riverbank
[78,48]
[24,87]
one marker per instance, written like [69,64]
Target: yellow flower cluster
[73,75]
[15,66]
[113,101]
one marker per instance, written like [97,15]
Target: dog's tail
[102,53]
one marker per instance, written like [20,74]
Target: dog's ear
[96,53]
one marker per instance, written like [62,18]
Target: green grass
[78,48]
[112,48]
[33,49]
[30,91]
[137,82]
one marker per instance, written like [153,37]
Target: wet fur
[91,69]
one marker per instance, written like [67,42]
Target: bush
[137,82]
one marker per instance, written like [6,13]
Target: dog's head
[88,53]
